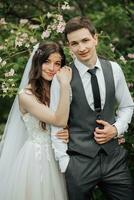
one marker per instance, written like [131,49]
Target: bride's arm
[58,118]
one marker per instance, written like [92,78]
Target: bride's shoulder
[25,99]
[25,95]
[27,90]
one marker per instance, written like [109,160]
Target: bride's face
[51,66]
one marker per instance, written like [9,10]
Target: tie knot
[92,71]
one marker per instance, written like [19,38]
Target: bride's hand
[63,135]
[64,75]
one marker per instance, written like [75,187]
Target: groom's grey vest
[82,119]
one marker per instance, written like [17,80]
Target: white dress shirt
[122,95]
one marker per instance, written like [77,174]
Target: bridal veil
[15,132]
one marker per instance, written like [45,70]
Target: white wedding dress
[35,174]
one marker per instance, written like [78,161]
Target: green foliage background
[114,21]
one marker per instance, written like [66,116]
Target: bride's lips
[50,74]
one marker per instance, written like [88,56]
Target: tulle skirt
[34,175]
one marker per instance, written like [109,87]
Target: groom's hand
[104,135]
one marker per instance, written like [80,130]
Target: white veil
[15,133]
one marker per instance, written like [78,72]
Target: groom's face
[82,44]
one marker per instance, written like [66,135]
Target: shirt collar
[83,68]
[98,64]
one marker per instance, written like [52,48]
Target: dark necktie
[95,89]
[96,95]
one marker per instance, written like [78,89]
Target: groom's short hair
[77,23]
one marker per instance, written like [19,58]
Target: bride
[28,170]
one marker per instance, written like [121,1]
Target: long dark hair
[40,87]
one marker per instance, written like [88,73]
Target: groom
[93,155]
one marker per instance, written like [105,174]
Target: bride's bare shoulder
[27,90]
[25,95]
[25,99]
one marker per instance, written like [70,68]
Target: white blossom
[2,21]
[4,87]
[33,40]
[23,21]
[1,47]
[10,73]
[3,63]
[59,17]
[27,45]
[34,26]
[5,90]
[18,43]
[65,6]
[26,6]
[60,27]
[131,55]
[112,47]
[12,31]
[18,33]
[21,39]
[24,35]
[45,34]
[11,80]
[49,15]
[53,27]
[123,59]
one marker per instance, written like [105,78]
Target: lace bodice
[35,132]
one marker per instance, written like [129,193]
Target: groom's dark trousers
[109,172]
